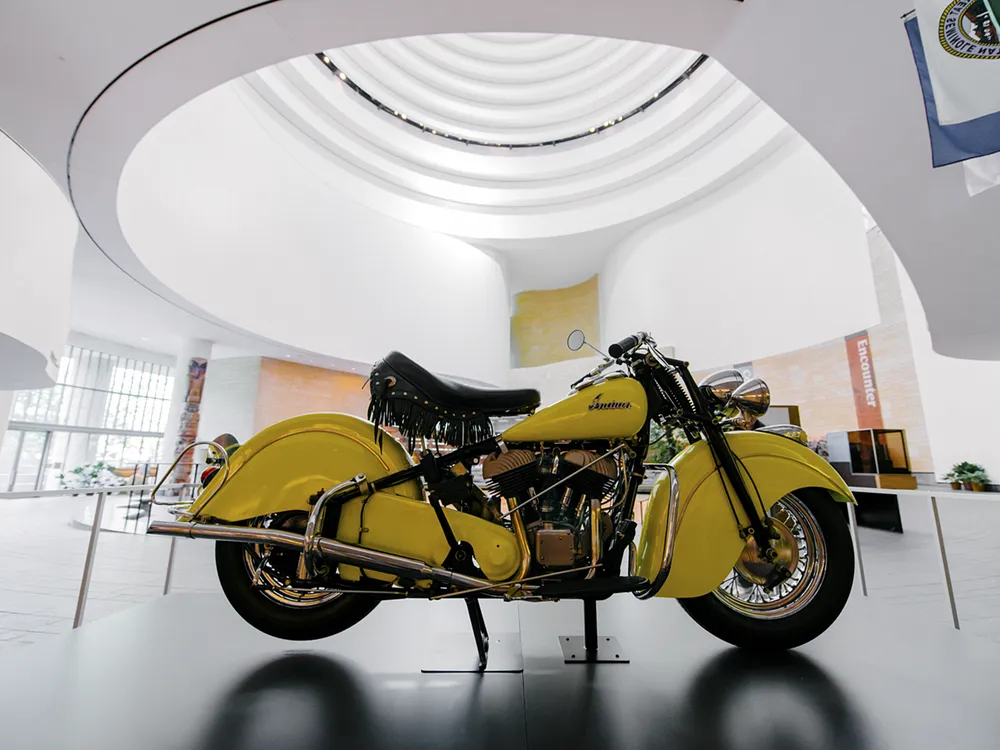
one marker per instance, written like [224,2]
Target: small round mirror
[576,340]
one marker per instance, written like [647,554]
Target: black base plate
[608,650]
[458,654]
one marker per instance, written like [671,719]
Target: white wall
[221,214]
[774,262]
[552,381]
[958,395]
[38,231]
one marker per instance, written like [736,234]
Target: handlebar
[627,344]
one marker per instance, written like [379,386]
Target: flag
[962,46]
[956,48]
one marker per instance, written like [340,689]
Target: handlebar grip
[627,344]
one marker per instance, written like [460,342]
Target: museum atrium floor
[220,216]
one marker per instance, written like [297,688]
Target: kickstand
[479,632]
[501,653]
[591,648]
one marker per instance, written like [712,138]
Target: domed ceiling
[506,138]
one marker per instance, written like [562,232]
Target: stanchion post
[944,563]
[88,565]
[170,566]
[857,547]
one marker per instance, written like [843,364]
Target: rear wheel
[814,543]
[258,582]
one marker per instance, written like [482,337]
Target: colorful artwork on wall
[542,319]
[187,431]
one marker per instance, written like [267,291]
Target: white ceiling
[839,73]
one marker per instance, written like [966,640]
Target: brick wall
[818,380]
[287,389]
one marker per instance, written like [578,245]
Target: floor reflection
[305,701]
[745,700]
[735,701]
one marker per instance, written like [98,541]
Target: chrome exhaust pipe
[369,559]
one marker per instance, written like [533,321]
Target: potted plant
[979,480]
[963,471]
[953,480]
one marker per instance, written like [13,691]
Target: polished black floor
[186,673]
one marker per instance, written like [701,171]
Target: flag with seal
[956,47]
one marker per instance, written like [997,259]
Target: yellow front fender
[708,540]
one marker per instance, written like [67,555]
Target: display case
[872,458]
[878,459]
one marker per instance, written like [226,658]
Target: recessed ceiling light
[592,130]
[343,76]
[403,116]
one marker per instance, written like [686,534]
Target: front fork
[760,525]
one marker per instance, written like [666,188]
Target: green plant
[978,477]
[963,471]
[664,445]
[98,474]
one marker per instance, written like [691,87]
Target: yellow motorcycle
[320,518]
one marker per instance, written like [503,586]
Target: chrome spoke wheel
[272,570]
[800,547]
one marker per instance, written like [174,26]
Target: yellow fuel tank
[612,409]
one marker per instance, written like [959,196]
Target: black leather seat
[452,395]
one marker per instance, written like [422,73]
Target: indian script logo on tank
[597,404]
[969,28]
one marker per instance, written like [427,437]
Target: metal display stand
[497,653]
[591,648]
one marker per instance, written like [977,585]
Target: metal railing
[103,492]
[933,494]
[95,530]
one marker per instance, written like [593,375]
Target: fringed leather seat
[421,404]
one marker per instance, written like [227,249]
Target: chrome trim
[369,559]
[595,535]
[790,431]
[219,448]
[668,543]
[316,516]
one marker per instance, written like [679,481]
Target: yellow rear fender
[283,465]
[708,540]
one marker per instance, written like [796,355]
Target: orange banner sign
[867,403]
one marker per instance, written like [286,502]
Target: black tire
[763,631]
[281,621]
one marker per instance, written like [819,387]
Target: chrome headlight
[753,398]
[719,386]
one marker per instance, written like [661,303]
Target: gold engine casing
[612,409]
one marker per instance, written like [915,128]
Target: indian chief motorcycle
[320,518]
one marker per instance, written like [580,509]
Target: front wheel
[258,582]
[814,543]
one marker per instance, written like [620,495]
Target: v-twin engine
[558,522]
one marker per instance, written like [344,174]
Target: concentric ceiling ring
[512,90]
